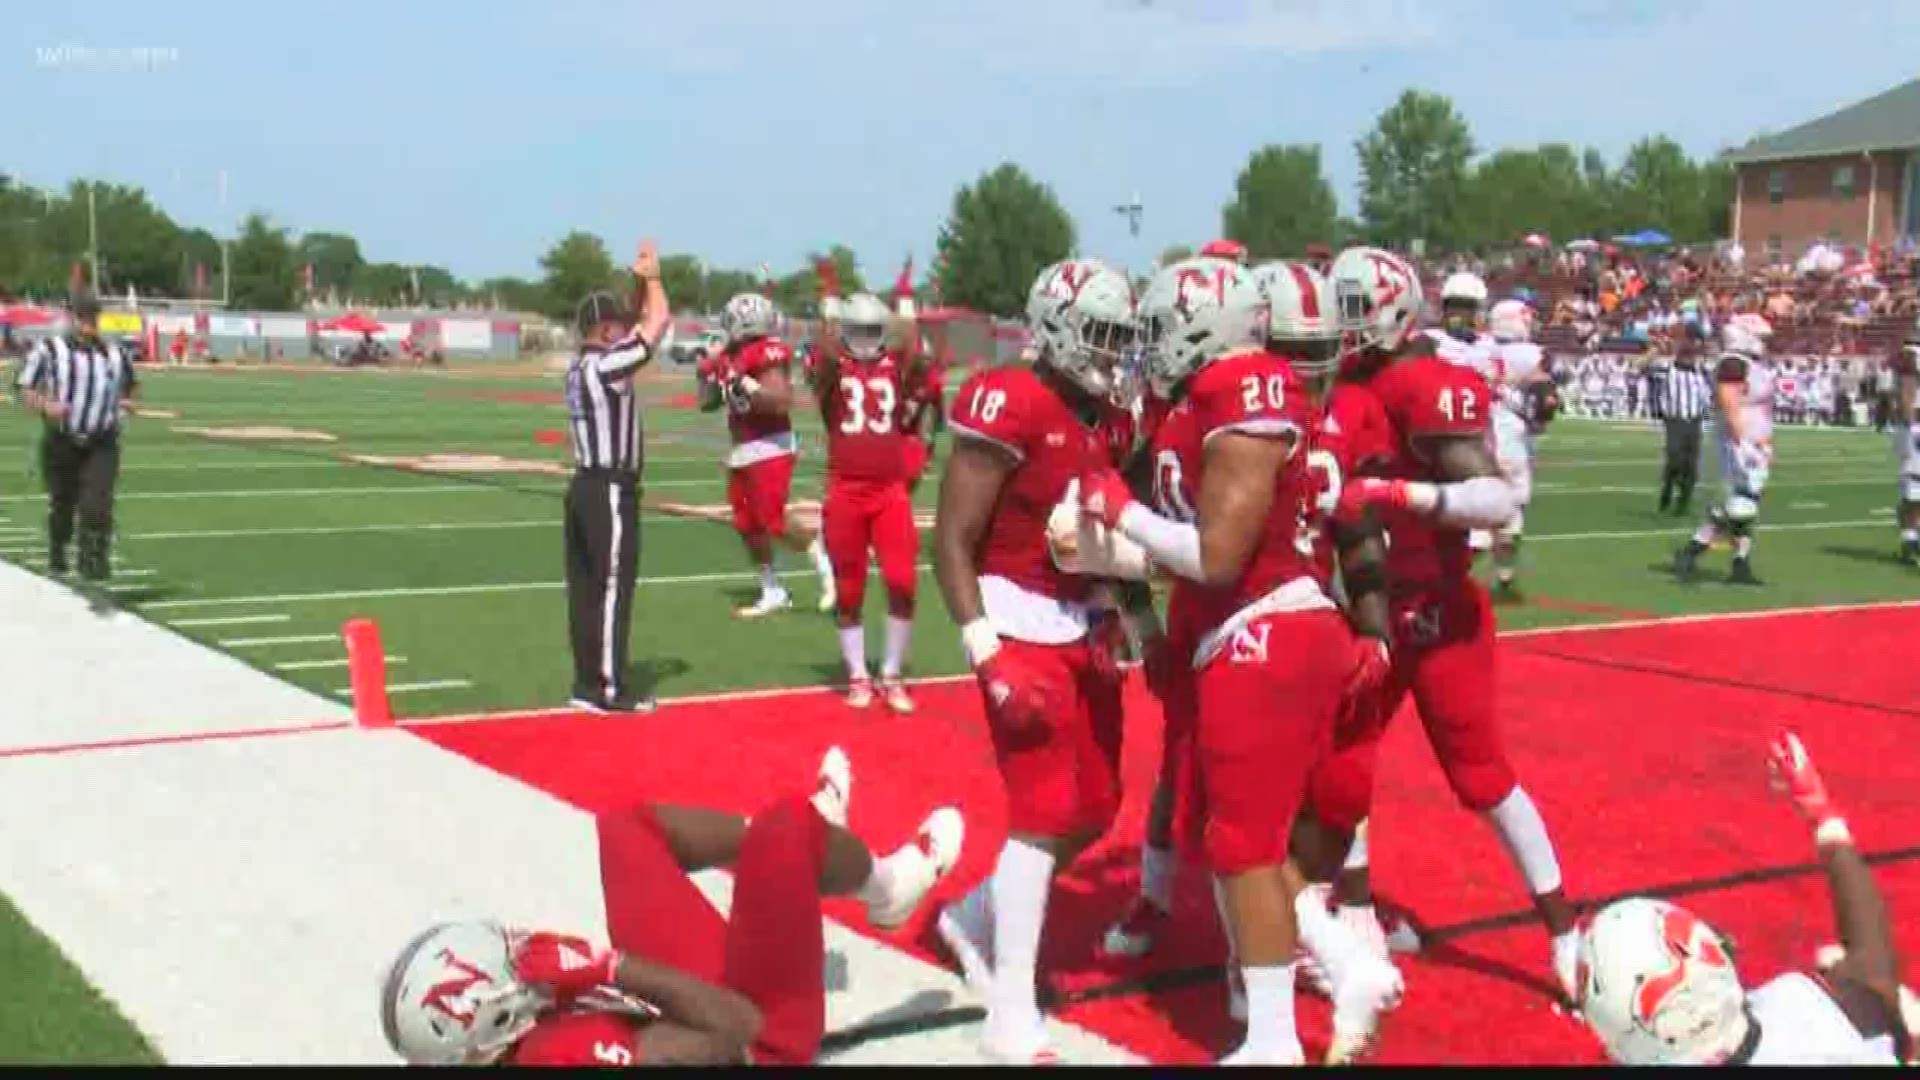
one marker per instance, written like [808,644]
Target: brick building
[1852,177]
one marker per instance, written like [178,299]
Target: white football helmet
[1658,986]
[451,997]
[1304,322]
[1195,311]
[863,326]
[748,315]
[1464,288]
[1510,320]
[1081,313]
[1746,334]
[1379,296]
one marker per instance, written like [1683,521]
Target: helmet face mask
[1194,312]
[747,316]
[1081,314]
[1379,297]
[863,326]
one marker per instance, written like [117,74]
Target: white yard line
[288,639]
[339,530]
[284,493]
[316,665]
[231,620]
[415,687]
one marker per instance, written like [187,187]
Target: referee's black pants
[603,556]
[80,473]
[1682,467]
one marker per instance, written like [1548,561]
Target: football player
[1517,374]
[1272,654]
[1658,985]
[1442,480]
[1906,428]
[679,985]
[863,386]
[1021,436]
[1743,398]
[751,375]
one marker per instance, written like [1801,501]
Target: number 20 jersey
[863,409]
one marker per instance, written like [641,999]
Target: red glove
[1372,663]
[563,964]
[1364,491]
[1108,639]
[1158,663]
[1017,696]
[1795,777]
[1104,495]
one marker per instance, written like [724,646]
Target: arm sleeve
[623,357]
[34,369]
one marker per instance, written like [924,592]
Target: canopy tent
[26,315]
[354,323]
[1536,240]
[1645,238]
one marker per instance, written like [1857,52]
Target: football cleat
[1685,560]
[934,851]
[860,693]
[769,602]
[895,697]
[1134,934]
[1742,574]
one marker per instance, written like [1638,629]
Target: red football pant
[870,517]
[771,951]
[1267,706]
[758,495]
[1179,761]
[1063,774]
[1443,654]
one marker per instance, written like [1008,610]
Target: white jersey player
[1743,416]
[1658,985]
[1906,428]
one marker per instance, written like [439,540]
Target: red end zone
[1643,746]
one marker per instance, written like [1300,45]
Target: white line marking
[315,665]
[335,530]
[231,620]
[271,493]
[211,464]
[287,639]
[135,573]
[1678,530]
[412,687]
[1719,616]
[1807,506]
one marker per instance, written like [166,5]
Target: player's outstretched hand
[1794,776]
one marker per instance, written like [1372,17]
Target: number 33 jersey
[1425,398]
[862,409]
[1251,393]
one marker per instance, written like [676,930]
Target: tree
[1413,171]
[1660,186]
[1717,185]
[1520,191]
[685,281]
[1173,254]
[517,294]
[263,268]
[137,241]
[1281,203]
[1004,228]
[382,284]
[575,266]
[335,259]
[197,258]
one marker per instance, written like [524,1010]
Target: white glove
[1081,544]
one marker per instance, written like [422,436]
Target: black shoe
[1742,574]
[57,564]
[1508,592]
[1685,559]
[621,703]
[1910,553]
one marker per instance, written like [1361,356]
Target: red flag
[903,285]
[829,276]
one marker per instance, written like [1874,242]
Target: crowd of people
[1311,467]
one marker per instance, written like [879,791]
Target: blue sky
[473,134]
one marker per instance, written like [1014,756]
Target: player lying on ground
[680,984]
[752,377]
[1658,985]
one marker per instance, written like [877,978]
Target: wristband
[1832,831]
[979,642]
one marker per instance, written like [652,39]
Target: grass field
[263,549]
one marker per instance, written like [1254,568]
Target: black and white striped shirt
[88,376]
[1685,394]
[602,408]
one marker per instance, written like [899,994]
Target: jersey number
[854,400]
[1325,470]
[608,1053]
[1263,394]
[1460,404]
[986,404]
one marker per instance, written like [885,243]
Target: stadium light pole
[93,238]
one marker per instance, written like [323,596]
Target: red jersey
[1010,407]
[580,1038]
[863,410]
[1424,397]
[1257,393]
[1352,437]
[753,358]
[926,399]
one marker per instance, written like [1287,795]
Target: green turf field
[264,549]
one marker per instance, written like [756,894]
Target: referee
[81,384]
[1681,401]
[602,512]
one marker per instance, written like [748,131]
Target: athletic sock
[769,584]
[1021,881]
[1524,833]
[853,648]
[1271,1033]
[817,551]
[899,643]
